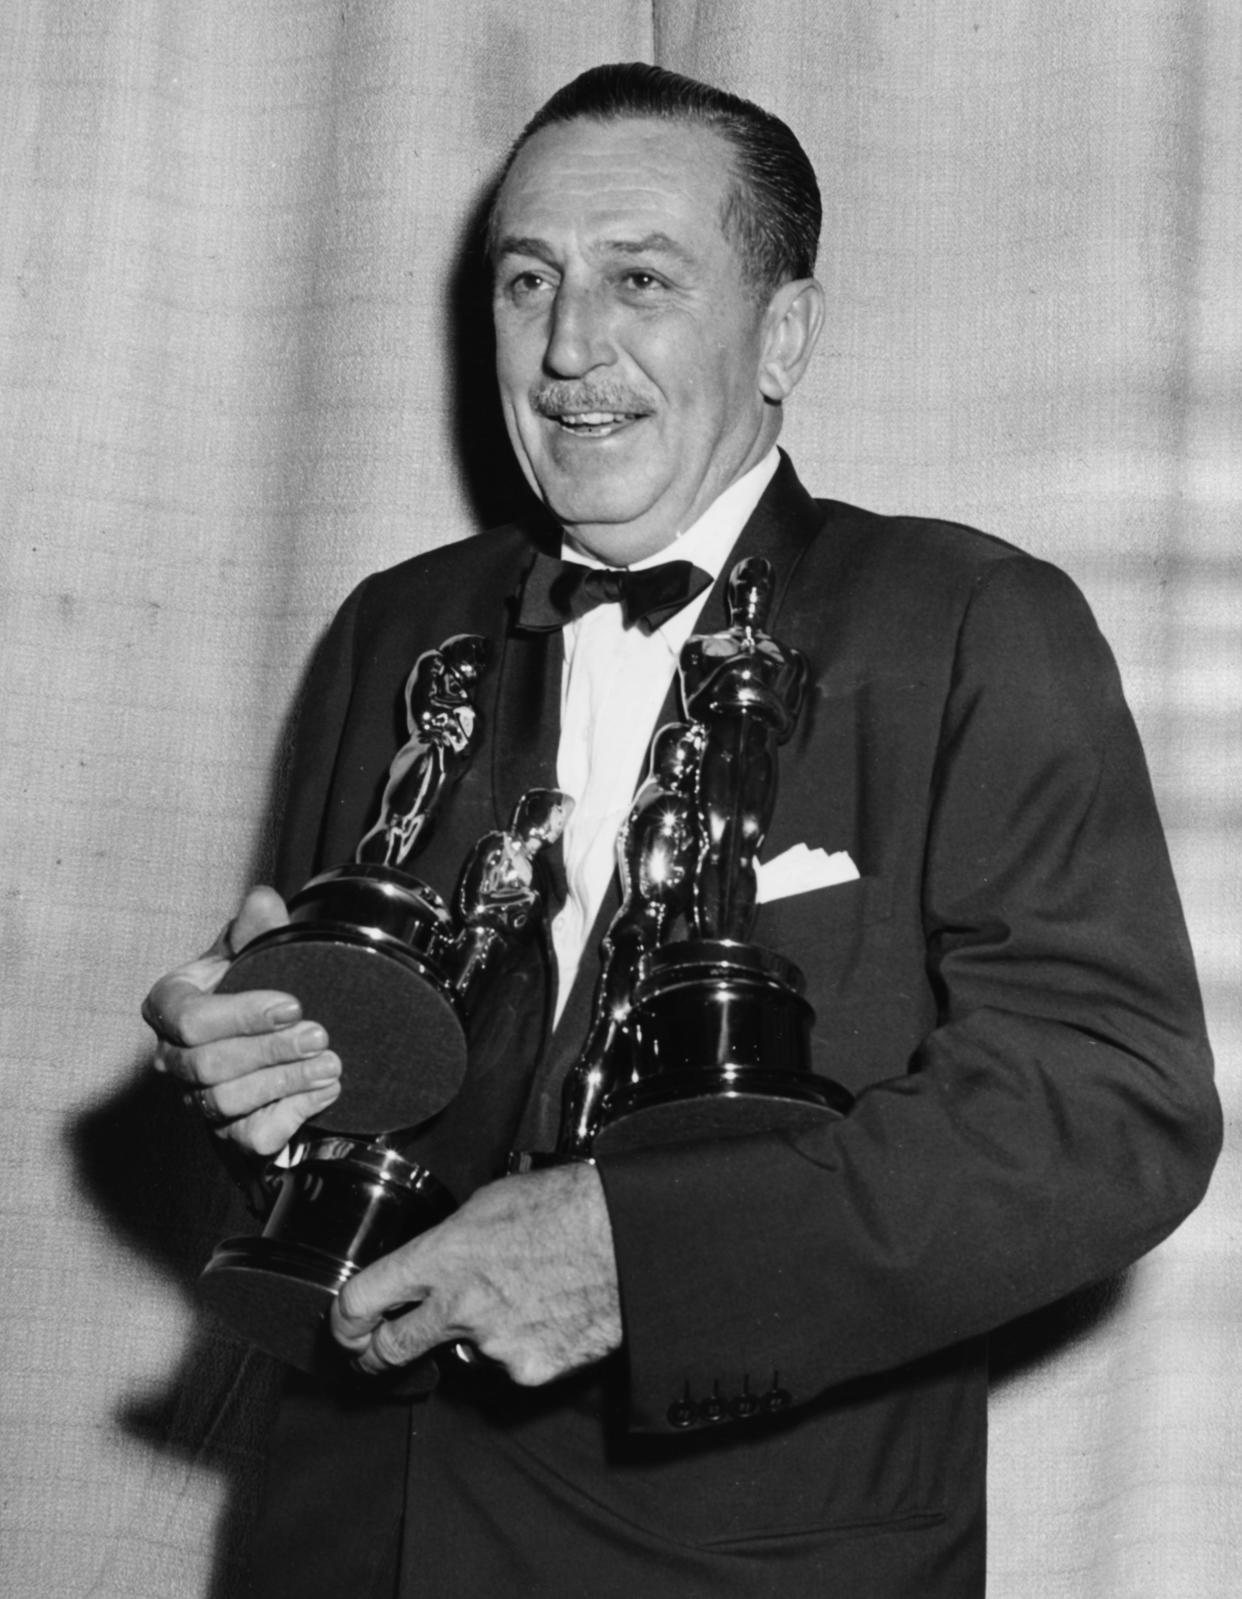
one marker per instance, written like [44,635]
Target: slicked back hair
[772,211]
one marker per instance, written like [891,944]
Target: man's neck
[708,540]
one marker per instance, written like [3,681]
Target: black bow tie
[556,592]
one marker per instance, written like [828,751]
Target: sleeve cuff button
[682,1413]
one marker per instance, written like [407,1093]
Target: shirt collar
[707,543]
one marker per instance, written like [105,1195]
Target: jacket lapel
[780,529]
[527,717]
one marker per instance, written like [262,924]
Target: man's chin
[598,509]
[619,543]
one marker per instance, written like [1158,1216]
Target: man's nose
[580,334]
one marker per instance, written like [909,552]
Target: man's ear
[791,326]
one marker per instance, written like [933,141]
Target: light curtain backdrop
[241,365]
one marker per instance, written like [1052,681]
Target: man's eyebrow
[649,244]
[522,244]
[540,250]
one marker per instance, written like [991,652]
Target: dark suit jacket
[1007,988]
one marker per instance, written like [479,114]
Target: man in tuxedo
[752,1364]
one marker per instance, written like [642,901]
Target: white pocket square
[799,870]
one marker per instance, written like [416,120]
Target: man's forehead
[637,169]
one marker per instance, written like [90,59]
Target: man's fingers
[263,1014]
[393,1280]
[388,1315]
[229,1099]
[397,1336]
[162,1008]
[524,1271]
[299,1051]
[173,1008]
[180,1013]
[230,1051]
[267,1131]
[258,1071]
[400,1340]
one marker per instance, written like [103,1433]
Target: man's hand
[256,1071]
[524,1272]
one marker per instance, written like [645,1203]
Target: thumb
[260,912]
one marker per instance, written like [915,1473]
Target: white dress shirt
[613,685]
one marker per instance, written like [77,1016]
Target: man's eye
[527,285]
[643,282]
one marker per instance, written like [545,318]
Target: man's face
[628,347]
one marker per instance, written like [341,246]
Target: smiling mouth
[594,424]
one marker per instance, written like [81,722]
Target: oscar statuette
[394,974]
[363,950]
[708,1034]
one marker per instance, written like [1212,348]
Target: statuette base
[346,1203]
[361,955]
[720,1044]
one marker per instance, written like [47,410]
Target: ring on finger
[196,1099]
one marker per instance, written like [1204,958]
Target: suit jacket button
[744,1406]
[682,1413]
[713,1410]
[776,1400]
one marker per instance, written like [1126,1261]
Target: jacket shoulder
[915,540]
[453,577]
[929,567]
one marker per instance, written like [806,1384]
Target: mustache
[558,399]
